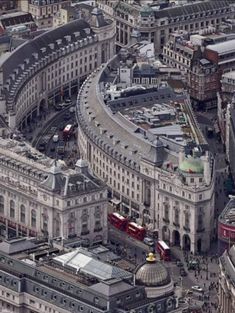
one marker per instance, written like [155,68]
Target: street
[51,123]
[207,119]
[206,276]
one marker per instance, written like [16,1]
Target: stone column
[6,236]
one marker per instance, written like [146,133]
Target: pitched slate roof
[43,40]
[194,8]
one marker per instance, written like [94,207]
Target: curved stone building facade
[52,65]
[155,23]
[226,227]
[175,201]
[227,282]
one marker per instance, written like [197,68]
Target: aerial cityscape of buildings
[117,156]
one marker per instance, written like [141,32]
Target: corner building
[157,21]
[41,199]
[51,65]
[152,180]
[226,282]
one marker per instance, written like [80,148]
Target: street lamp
[206,269]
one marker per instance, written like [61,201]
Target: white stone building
[52,65]
[152,179]
[43,199]
[226,282]
[157,21]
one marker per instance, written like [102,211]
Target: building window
[186,219]
[22,213]
[200,221]
[33,218]
[12,209]
[1,204]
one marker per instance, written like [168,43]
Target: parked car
[148,241]
[197,288]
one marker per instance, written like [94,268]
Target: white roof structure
[85,263]
[223,47]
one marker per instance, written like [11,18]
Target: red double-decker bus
[164,250]
[117,220]
[67,132]
[136,231]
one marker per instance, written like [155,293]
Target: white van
[148,241]
[55,138]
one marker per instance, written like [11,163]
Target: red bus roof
[136,225]
[163,244]
[68,127]
[118,216]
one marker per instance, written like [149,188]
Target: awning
[115,201]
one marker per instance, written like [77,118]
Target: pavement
[135,251]
[206,278]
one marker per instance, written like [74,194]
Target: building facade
[226,282]
[56,286]
[165,190]
[45,200]
[203,83]
[43,11]
[53,65]
[157,23]
[226,229]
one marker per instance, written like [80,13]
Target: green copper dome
[192,165]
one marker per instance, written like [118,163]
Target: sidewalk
[206,277]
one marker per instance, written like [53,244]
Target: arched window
[12,209]
[22,213]
[33,218]
[1,204]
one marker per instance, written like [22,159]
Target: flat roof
[229,75]
[223,47]
[84,262]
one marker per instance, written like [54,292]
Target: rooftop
[121,120]
[223,47]
[65,181]
[192,9]
[227,216]
[76,29]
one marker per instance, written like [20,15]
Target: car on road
[72,109]
[55,138]
[42,147]
[148,241]
[193,265]
[179,264]
[197,288]
[183,272]
[67,116]
[67,101]
[60,148]
[188,292]
[182,301]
